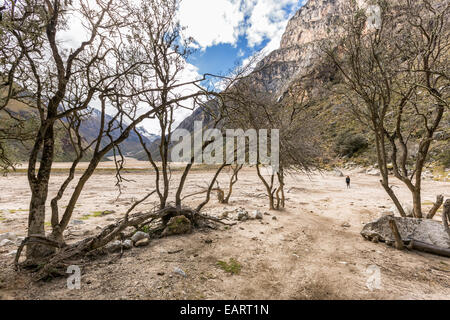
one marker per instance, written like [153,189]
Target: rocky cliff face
[300,45]
[299,48]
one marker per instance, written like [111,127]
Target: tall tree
[395,78]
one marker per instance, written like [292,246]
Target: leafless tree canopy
[396,81]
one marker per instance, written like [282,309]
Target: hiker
[347,180]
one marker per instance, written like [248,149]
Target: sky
[227,33]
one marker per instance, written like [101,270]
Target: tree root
[57,263]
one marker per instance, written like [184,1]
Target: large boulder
[373,172]
[177,225]
[424,230]
[338,173]
[139,236]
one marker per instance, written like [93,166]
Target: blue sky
[226,32]
[221,58]
[229,31]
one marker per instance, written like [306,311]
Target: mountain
[63,147]
[130,147]
[299,55]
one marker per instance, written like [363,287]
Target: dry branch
[436,206]
[398,239]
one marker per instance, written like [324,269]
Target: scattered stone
[160,273]
[139,236]
[142,243]
[114,246]
[127,244]
[373,172]
[424,230]
[8,235]
[177,225]
[6,242]
[274,218]
[242,215]
[266,214]
[19,240]
[12,253]
[345,225]
[180,272]
[257,215]
[208,241]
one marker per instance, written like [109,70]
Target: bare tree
[61,84]
[252,109]
[395,79]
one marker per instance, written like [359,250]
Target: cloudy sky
[226,33]
[229,31]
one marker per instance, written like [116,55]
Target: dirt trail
[312,250]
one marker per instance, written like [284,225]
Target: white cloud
[268,20]
[212,22]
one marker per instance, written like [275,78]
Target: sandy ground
[313,250]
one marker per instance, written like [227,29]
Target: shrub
[349,143]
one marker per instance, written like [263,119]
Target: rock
[373,172]
[19,240]
[338,173]
[160,273]
[274,218]
[114,246]
[180,272]
[8,235]
[345,225]
[257,215]
[177,225]
[139,236]
[6,242]
[242,215]
[77,222]
[142,243]
[127,244]
[12,253]
[423,230]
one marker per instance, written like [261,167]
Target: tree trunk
[398,239]
[446,216]
[436,206]
[39,192]
[425,247]
[417,204]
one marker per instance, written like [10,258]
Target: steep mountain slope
[300,54]
[130,147]
[63,149]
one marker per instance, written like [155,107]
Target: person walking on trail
[347,180]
